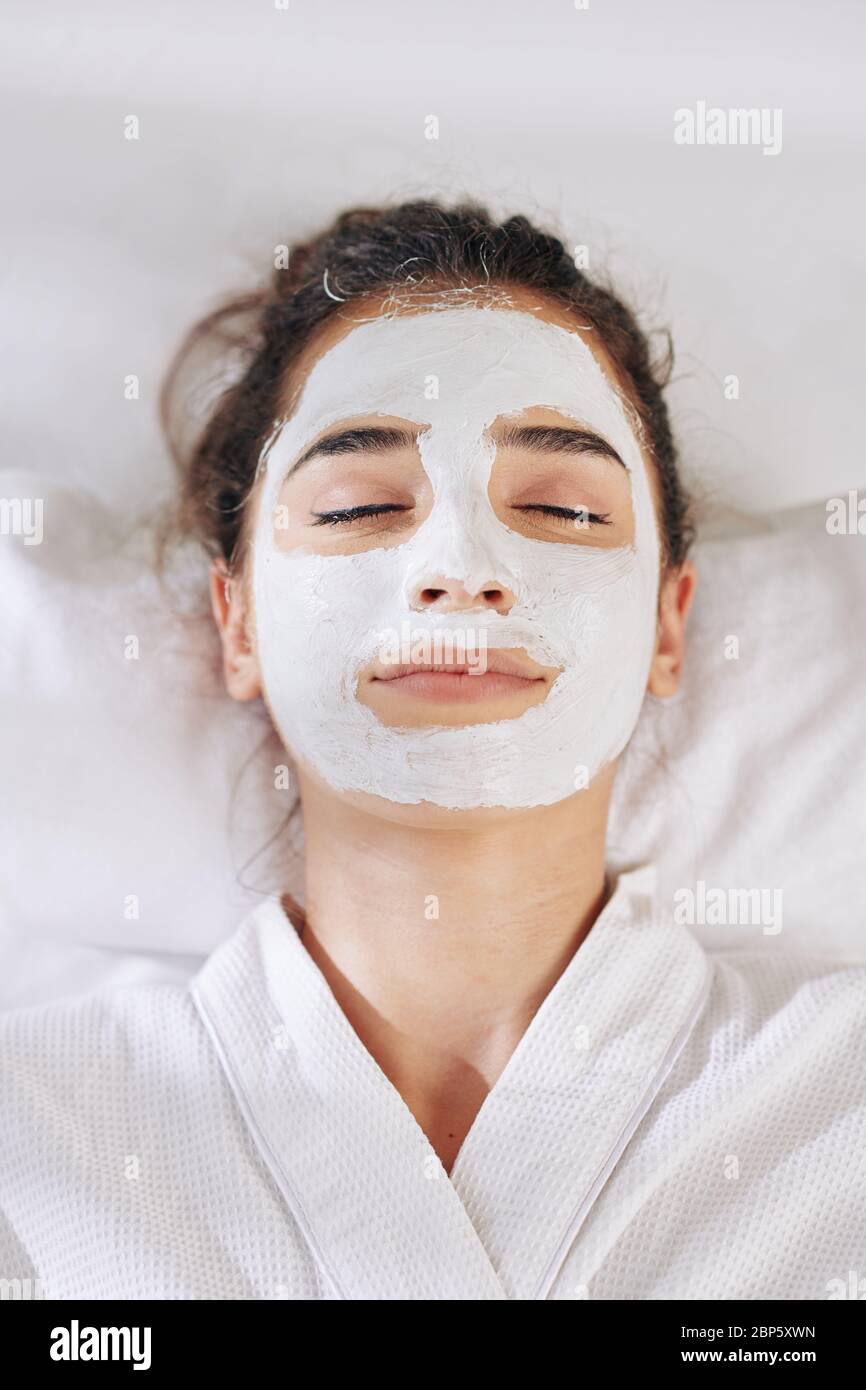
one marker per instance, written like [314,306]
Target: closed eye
[347,515]
[568,515]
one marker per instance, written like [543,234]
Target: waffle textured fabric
[674,1123]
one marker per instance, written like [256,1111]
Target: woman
[449,549]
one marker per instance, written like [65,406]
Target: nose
[443,595]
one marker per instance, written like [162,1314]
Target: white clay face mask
[589,610]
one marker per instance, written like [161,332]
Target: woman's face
[361,486]
[455,559]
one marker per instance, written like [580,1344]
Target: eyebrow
[543,439]
[557,439]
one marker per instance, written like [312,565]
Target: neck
[441,934]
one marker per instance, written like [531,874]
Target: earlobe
[677,593]
[230,608]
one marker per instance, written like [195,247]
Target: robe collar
[374,1203]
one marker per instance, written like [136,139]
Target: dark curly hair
[368,252]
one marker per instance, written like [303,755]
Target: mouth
[502,674]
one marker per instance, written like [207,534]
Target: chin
[417,715]
[426,815]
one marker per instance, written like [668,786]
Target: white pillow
[120,768]
[141,800]
[754,775]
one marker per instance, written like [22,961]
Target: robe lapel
[381,1216]
[583,1075]
[357,1172]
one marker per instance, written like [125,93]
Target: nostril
[456,596]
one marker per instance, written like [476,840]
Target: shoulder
[790,1023]
[770,1087]
[100,1017]
[116,1118]
[791,988]
[63,1060]
[89,1081]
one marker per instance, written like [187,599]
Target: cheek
[319,616]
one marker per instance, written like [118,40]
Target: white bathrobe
[671,1125]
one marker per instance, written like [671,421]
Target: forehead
[457,366]
[489,359]
[397,308]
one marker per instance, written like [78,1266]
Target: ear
[675,600]
[231,611]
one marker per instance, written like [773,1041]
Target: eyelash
[566,515]
[352,514]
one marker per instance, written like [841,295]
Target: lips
[494,662]
[500,674]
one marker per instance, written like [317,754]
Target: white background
[258,124]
